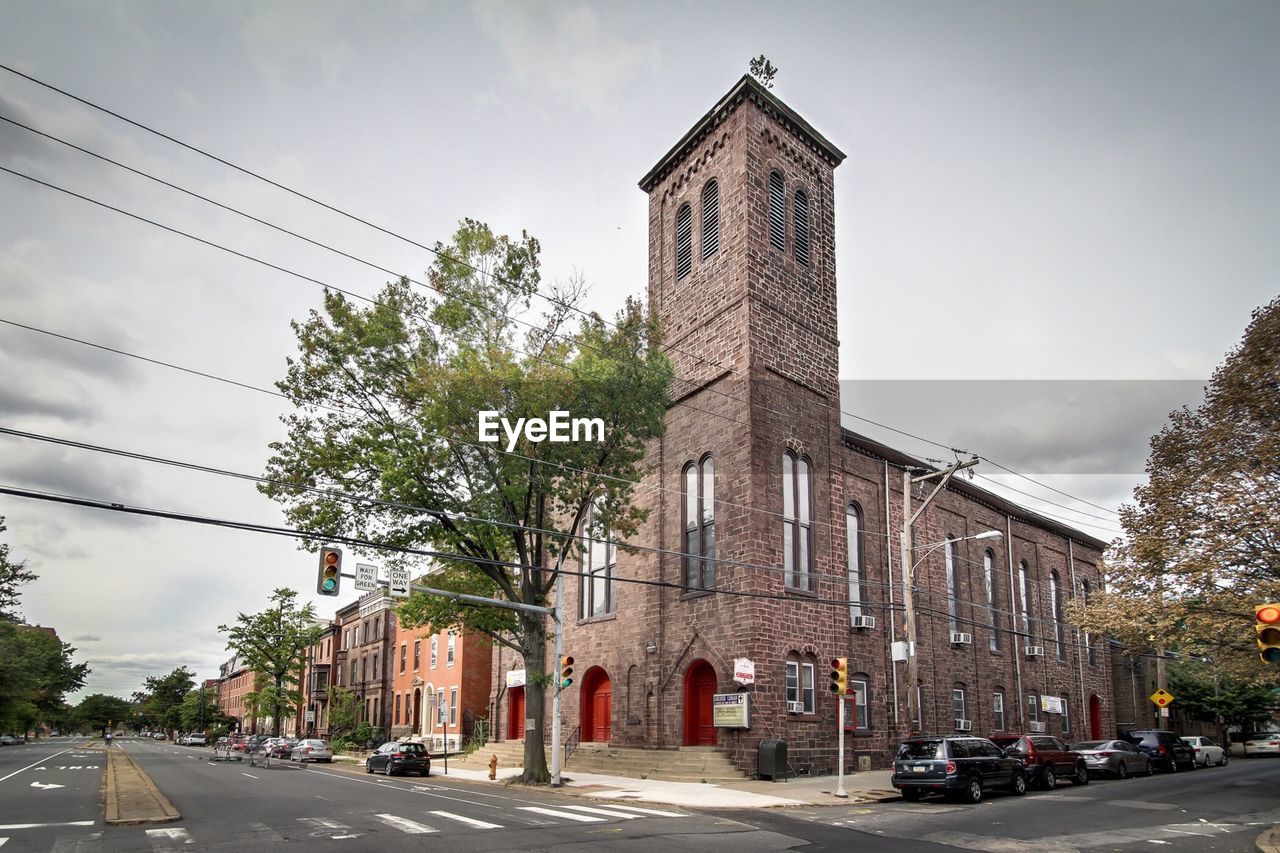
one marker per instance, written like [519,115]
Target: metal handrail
[572,743]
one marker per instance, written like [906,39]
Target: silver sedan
[1116,757]
[311,750]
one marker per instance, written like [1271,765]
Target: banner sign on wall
[515,678]
[744,671]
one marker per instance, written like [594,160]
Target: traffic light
[839,676]
[1268,628]
[566,671]
[330,571]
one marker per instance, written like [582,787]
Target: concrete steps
[687,764]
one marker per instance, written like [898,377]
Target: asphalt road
[1212,809]
[233,806]
[48,790]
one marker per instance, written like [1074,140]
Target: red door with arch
[597,701]
[699,688]
[1095,717]
[515,717]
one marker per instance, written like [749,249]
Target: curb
[1269,840]
[160,809]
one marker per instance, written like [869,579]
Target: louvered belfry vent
[802,227]
[777,212]
[710,219]
[684,241]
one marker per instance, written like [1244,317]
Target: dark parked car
[392,758]
[960,767]
[1117,757]
[1044,759]
[281,747]
[1166,749]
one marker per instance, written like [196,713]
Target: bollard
[493,766]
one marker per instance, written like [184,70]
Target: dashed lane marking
[605,812]
[582,818]
[653,812]
[469,821]
[412,827]
[250,775]
[42,825]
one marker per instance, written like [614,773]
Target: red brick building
[442,682]
[793,521]
[366,629]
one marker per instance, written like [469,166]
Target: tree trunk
[534,629]
[277,714]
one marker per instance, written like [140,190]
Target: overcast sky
[1071,191]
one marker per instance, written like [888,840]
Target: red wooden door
[600,723]
[515,726]
[1095,717]
[700,687]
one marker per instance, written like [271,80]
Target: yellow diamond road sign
[1162,697]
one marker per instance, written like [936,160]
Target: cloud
[565,50]
[86,638]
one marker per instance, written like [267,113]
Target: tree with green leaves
[273,643]
[344,711]
[12,575]
[164,695]
[388,402]
[1202,537]
[95,712]
[199,710]
[36,674]
[1208,694]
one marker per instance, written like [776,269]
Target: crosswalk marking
[265,832]
[39,825]
[92,841]
[605,812]
[3,841]
[469,821]
[329,828]
[404,824]
[570,815]
[638,810]
[166,836]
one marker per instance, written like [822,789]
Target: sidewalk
[870,786]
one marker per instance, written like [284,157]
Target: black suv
[960,767]
[1166,749]
[404,757]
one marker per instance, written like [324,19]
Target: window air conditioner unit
[959,638]
[964,725]
[1035,651]
[1037,728]
[795,707]
[864,622]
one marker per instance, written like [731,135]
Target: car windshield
[1263,735]
[920,749]
[1092,744]
[1017,744]
[415,748]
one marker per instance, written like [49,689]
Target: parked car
[158,735]
[1119,758]
[1207,752]
[1166,749]
[281,747]
[254,741]
[960,767]
[9,740]
[311,749]
[197,739]
[1262,743]
[1044,759]
[392,758]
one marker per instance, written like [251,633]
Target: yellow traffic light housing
[1267,627]
[839,676]
[330,571]
[566,671]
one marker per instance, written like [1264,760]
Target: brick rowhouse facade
[367,628]
[442,682]
[748,310]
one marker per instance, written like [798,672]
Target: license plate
[918,769]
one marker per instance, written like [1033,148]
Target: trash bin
[772,761]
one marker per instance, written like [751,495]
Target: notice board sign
[731,710]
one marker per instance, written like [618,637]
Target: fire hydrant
[493,766]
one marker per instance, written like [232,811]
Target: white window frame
[450,649]
[958,705]
[997,710]
[853,541]
[862,715]
[435,650]
[949,555]
[453,706]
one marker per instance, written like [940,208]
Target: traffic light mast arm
[475,599]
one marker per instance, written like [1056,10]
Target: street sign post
[399,586]
[366,576]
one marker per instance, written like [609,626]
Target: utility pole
[555,690]
[914,717]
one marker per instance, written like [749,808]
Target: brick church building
[779,528]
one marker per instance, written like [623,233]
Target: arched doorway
[1095,717]
[597,698]
[417,710]
[699,688]
[515,713]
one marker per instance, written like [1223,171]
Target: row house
[317,674]
[365,633]
[441,688]
[775,530]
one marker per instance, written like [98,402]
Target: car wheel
[387,770]
[1082,775]
[1122,772]
[368,766]
[1173,765]
[1018,786]
[1223,761]
[973,790]
[911,794]
[1151,768]
[1048,779]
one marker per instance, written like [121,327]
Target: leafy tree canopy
[163,697]
[1206,693]
[388,400]
[12,576]
[98,710]
[1202,537]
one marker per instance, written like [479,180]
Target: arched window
[989,578]
[684,241]
[997,708]
[710,219]
[949,553]
[801,211]
[777,212]
[1088,646]
[797,536]
[860,682]
[799,685]
[1025,600]
[1033,707]
[959,708]
[699,525]
[599,557]
[1055,602]
[1066,714]
[853,534]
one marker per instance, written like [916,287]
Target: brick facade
[462,679]
[752,332]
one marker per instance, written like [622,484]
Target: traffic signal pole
[840,791]
[555,695]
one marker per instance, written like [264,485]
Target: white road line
[582,818]
[33,764]
[265,832]
[403,824]
[326,828]
[3,841]
[655,812]
[250,775]
[42,825]
[469,821]
[166,836]
[605,812]
[92,841]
